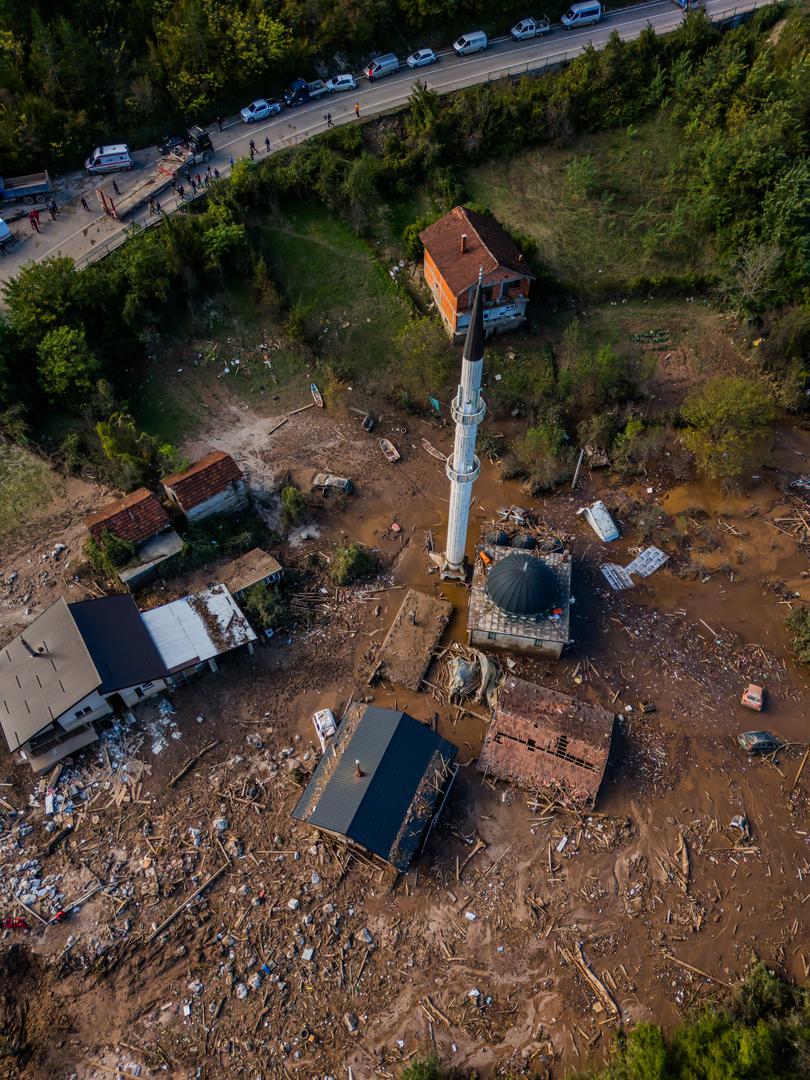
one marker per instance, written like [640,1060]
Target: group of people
[33,216]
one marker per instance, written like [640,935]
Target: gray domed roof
[522,586]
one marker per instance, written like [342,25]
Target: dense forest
[80,72]
[72,345]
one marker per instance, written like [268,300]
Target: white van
[582,15]
[109,159]
[471,43]
[382,65]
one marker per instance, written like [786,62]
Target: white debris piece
[647,562]
[600,521]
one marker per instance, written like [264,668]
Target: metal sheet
[647,561]
[616,577]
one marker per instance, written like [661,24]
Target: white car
[341,82]
[421,57]
[260,110]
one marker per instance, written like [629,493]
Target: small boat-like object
[317,397]
[431,449]
[390,451]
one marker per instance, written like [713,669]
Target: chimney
[358,772]
[463,243]
[28,648]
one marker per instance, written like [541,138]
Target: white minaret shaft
[463,466]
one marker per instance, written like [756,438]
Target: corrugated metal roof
[35,690]
[388,807]
[122,650]
[197,628]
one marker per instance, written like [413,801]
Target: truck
[530,28]
[28,189]
[300,91]
[181,156]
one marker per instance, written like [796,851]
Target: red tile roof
[204,479]
[137,518]
[488,245]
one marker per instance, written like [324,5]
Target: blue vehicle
[28,189]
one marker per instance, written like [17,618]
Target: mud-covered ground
[400,965]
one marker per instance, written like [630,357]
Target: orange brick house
[456,246]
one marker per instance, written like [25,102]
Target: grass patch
[26,486]
[602,210]
[349,307]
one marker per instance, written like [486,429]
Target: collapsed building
[538,738]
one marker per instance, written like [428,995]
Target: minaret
[463,466]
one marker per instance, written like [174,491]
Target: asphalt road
[85,236]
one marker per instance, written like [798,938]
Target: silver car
[421,58]
[341,82]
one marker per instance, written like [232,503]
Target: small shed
[381,784]
[255,567]
[212,485]
[539,738]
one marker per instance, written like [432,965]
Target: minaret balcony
[457,477]
[467,419]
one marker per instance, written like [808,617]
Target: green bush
[543,455]
[798,624]
[221,536]
[351,562]
[294,507]
[264,606]
[428,1068]
[109,553]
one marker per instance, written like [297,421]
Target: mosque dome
[522,586]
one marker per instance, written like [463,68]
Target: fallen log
[189,900]
[192,761]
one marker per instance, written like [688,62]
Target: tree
[293,504]
[108,553]
[42,296]
[67,368]
[426,359]
[350,562]
[725,418]
[133,457]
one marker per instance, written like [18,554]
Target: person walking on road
[252,146]
[33,217]
[115,188]
[252,152]
[329,120]
[158,211]
[193,183]
[199,181]
[357,108]
[181,191]
[216,174]
[84,205]
[230,161]
[208,172]
[219,121]
[52,209]
[267,143]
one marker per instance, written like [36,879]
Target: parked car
[473,42]
[382,65]
[759,742]
[341,82]
[421,58]
[530,28]
[582,15]
[260,110]
[300,91]
[6,237]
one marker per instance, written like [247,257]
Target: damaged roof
[488,245]
[539,739]
[136,517]
[197,628]
[205,478]
[404,766]
[254,566]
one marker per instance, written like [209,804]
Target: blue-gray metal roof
[387,809]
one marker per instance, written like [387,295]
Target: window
[538,643]
[492,635]
[138,692]
[83,712]
[147,685]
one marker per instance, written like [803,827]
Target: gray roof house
[380,785]
[78,663]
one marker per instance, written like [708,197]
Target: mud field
[526,934]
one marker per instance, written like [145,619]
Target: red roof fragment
[137,518]
[204,479]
